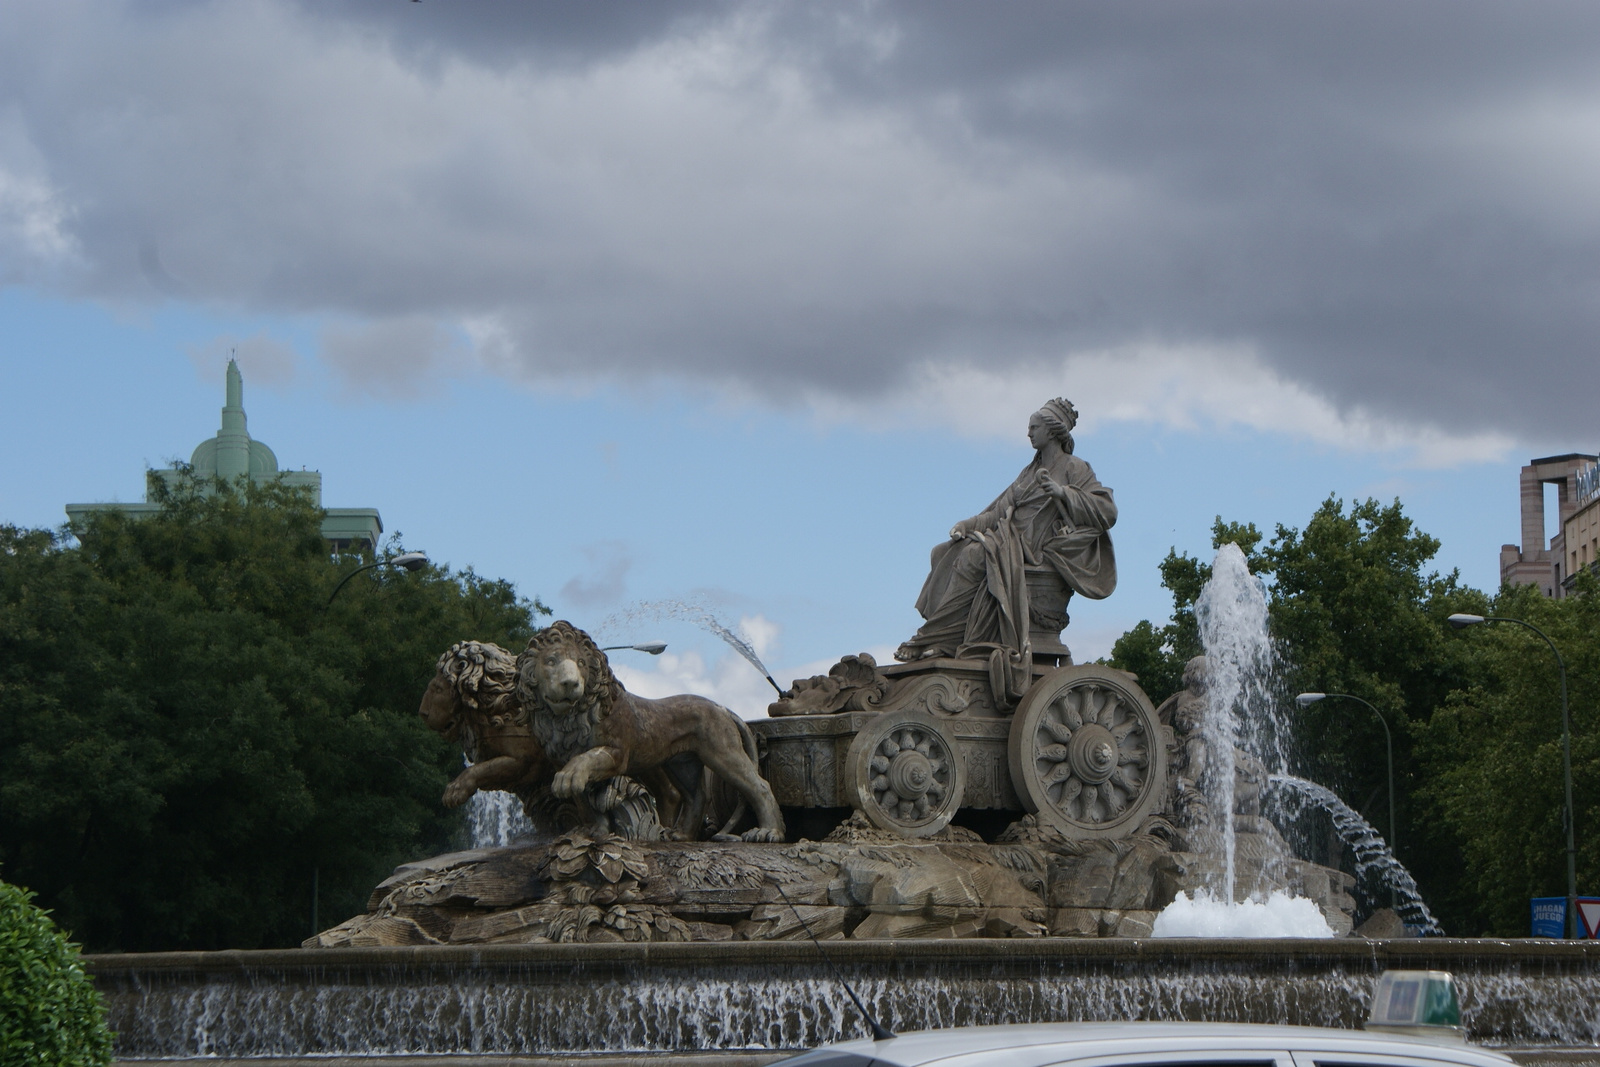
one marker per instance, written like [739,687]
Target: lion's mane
[564,736]
[484,676]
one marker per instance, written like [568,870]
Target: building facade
[233,454]
[1551,567]
[1580,534]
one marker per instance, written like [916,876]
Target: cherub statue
[1185,712]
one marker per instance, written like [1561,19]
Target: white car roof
[1038,1044]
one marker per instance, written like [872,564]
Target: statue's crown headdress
[1061,409]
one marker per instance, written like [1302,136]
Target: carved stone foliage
[941,694]
[1087,753]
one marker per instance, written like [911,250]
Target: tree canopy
[1489,758]
[191,735]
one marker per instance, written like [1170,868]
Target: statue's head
[563,671]
[1194,674]
[1054,422]
[472,677]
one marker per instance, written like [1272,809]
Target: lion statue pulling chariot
[555,727]
[595,729]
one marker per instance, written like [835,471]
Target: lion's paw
[763,833]
[457,794]
[566,785]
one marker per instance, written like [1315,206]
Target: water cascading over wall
[560,999]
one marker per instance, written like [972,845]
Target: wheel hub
[1093,753]
[910,774]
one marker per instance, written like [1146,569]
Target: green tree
[1490,758]
[191,735]
[1357,612]
[50,1013]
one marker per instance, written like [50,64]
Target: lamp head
[1305,700]
[1462,621]
[411,561]
[655,648]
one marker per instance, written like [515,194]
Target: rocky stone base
[860,883]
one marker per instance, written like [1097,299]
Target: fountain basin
[533,1000]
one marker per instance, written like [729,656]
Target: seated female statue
[1054,517]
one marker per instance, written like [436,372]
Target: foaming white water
[1203,915]
[1232,615]
[495,819]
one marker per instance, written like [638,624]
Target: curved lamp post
[1461,622]
[408,560]
[1305,700]
[655,648]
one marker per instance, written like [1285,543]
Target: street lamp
[410,561]
[1305,700]
[655,648]
[1461,622]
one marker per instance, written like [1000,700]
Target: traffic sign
[1589,916]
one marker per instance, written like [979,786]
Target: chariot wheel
[906,773]
[1087,753]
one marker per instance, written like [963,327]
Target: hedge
[50,1012]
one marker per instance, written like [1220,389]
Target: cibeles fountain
[983,787]
[981,831]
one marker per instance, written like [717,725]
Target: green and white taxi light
[1417,1003]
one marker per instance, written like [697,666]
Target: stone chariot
[924,741]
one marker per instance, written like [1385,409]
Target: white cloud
[1171,386]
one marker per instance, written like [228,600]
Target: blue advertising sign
[1549,917]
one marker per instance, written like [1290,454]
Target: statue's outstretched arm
[986,519]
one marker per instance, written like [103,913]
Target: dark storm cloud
[1392,203]
[510,32]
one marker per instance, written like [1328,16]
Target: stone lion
[473,699]
[594,728]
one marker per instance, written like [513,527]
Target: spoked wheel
[1087,753]
[906,773]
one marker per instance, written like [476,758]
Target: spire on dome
[235,385]
[232,455]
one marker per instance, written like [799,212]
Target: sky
[662,308]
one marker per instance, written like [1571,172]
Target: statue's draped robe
[977,588]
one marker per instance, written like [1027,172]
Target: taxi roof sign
[1420,1003]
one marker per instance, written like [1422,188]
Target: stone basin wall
[678,997]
